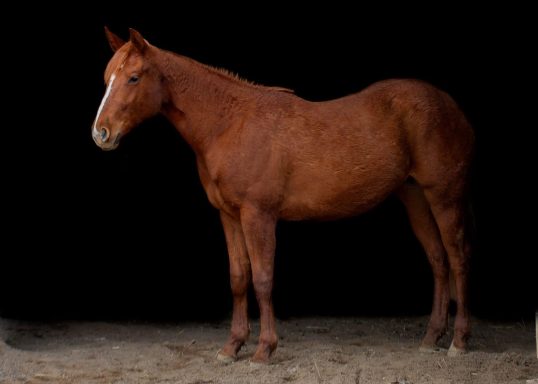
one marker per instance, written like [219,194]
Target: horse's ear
[137,40]
[113,39]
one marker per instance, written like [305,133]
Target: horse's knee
[263,285]
[239,284]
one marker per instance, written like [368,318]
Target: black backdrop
[130,234]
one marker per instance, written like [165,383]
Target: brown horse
[264,154]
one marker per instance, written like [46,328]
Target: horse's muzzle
[101,137]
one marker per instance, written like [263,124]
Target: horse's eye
[133,80]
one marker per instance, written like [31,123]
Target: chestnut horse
[264,154]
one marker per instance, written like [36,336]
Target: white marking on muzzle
[103,102]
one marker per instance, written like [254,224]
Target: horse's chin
[108,147]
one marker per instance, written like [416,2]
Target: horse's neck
[201,102]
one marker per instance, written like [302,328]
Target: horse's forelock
[115,63]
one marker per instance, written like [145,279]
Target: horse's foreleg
[259,230]
[239,280]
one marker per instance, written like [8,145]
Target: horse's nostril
[105,134]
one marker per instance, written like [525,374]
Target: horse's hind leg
[427,232]
[449,208]
[239,279]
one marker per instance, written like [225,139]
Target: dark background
[130,235]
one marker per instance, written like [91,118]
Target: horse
[264,154]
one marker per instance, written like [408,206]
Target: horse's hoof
[226,359]
[424,348]
[454,351]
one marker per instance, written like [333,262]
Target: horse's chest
[218,190]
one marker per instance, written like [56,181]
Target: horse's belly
[337,197]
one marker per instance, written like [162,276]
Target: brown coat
[265,154]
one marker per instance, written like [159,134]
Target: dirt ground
[311,350]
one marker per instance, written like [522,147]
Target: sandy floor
[311,350]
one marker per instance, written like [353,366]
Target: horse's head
[133,93]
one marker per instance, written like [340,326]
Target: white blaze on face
[103,102]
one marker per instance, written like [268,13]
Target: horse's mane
[229,75]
